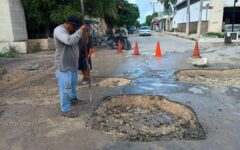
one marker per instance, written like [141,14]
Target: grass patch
[11,52]
[215,34]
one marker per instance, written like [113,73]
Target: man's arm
[68,39]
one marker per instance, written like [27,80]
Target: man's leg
[64,85]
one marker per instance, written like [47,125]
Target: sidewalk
[202,39]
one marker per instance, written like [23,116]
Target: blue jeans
[67,86]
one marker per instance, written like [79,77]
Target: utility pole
[82,7]
[154,4]
[200,19]
[233,15]
[188,17]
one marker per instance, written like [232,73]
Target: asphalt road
[29,105]
[168,43]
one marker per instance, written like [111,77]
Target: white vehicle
[145,30]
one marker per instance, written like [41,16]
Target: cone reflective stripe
[136,51]
[119,47]
[158,50]
[196,53]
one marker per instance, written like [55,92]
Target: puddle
[196,90]
[114,82]
[134,73]
[213,77]
[163,84]
[146,118]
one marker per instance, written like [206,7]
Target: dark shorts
[83,65]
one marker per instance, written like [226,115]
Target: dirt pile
[146,118]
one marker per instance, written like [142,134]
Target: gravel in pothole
[146,118]
[215,77]
[114,82]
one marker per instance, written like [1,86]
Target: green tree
[43,15]
[63,9]
[167,4]
[128,13]
[149,20]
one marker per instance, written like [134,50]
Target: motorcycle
[112,42]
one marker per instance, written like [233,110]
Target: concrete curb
[201,40]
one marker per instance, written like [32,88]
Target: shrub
[216,34]
[11,52]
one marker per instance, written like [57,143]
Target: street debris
[212,77]
[114,82]
[146,118]
[200,62]
[31,69]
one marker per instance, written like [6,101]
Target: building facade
[215,15]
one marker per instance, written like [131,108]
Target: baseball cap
[75,20]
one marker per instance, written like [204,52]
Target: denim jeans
[67,86]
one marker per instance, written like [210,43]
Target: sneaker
[77,101]
[74,102]
[69,114]
[84,81]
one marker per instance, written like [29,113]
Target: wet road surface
[29,112]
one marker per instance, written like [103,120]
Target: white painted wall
[181,15]
[5,22]
[12,21]
[18,20]
[216,16]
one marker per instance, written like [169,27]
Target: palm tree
[102,8]
[110,12]
[168,4]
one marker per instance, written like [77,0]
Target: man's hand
[84,28]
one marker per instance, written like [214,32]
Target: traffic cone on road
[158,50]
[119,47]
[136,51]
[196,53]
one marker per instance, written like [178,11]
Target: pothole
[114,82]
[217,77]
[146,118]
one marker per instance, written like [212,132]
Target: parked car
[131,29]
[145,30]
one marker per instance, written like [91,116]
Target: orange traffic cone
[158,50]
[136,51]
[119,47]
[196,53]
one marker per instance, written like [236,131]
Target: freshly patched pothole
[114,82]
[146,118]
[213,77]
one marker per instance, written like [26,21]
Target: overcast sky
[145,8]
